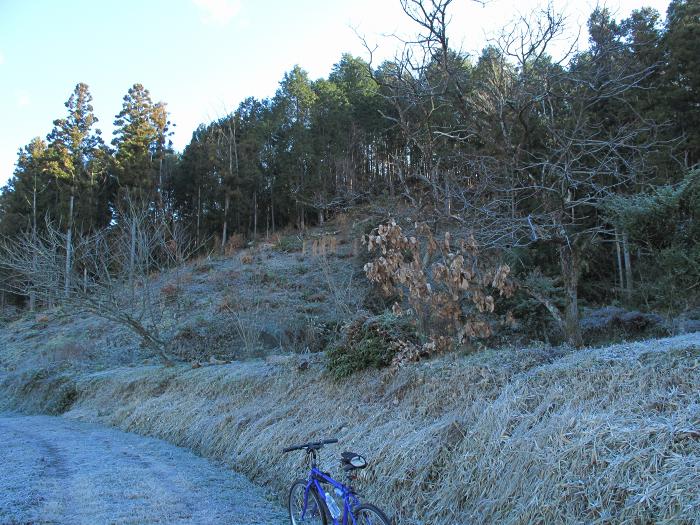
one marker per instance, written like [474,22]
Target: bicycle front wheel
[367,514]
[315,509]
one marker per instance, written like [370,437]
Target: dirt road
[60,471]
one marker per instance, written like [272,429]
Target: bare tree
[110,272]
[521,148]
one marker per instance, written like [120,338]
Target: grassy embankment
[520,436]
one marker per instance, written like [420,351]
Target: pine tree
[72,146]
[293,105]
[27,197]
[682,90]
[141,142]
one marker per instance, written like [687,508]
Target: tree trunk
[149,338]
[32,293]
[225,228]
[448,199]
[569,269]
[160,184]
[51,294]
[618,253]
[629,285]
[255,215]
[392,190]
[199,212]
[550,306]
[69,247]
[132,256]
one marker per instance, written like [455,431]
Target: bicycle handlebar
[309,446]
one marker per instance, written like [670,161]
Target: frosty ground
[56,470]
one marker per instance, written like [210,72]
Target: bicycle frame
[350,500]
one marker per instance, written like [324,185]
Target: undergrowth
[369,342]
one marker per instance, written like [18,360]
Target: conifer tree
[294,103]
[141,141]
[682,89]
[26,197]
[72,146]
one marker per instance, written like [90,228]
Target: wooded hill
[579,169]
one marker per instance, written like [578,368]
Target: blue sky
[201,57]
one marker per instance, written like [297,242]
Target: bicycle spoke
[313,515]
[370,515]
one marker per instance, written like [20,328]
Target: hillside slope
[268,299]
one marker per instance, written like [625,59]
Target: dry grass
[516,436]
[247,330]
[235,243]
[60,350]
[342,293]
[170,291]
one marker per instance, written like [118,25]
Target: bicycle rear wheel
[315,509]
[367,514]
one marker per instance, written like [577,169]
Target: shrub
[610,323]
[203,339]
[288,243]
[376,301]
[235,242]
[170,291]
[450,287]
[370,342]
[203,266]
[263,277]
[320,246]
[309,334]
[61,349]
[226,303]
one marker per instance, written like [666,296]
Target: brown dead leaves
[450,287]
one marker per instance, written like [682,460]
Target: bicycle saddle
[351,461]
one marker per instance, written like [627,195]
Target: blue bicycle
[311,504]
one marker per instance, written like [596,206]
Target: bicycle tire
[315,511]
[372,514]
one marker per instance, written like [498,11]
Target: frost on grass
[534,435]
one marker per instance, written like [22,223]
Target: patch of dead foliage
[450,287]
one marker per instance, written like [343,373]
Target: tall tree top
[72,140]
[296,96]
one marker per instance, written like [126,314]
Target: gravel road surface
[61,471]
